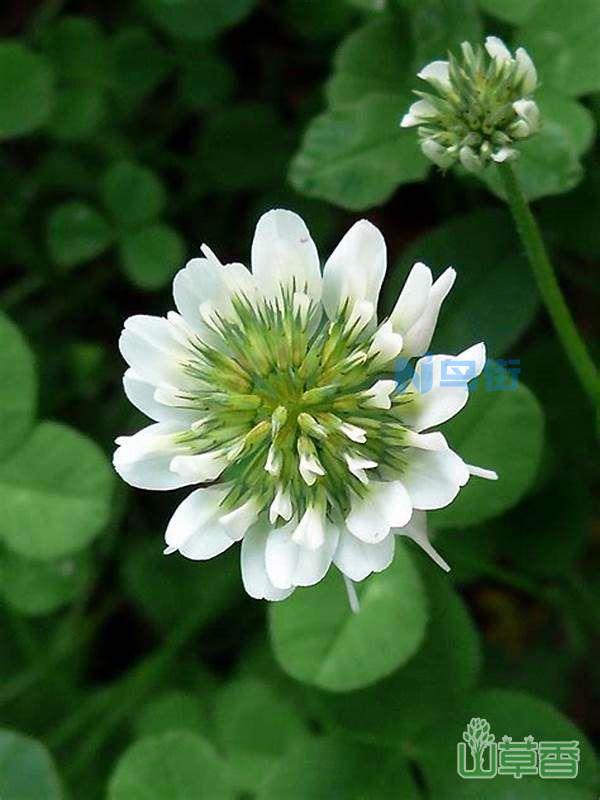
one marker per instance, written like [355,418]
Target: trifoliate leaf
[375,59]
[318,640]
[55,493]
[254,727]
[437,677]
[438,26]
[328,767]
[27,771]
[79,51]
[141,64]
[564,42]
[355,156]
[176,765]
[515,11]
[76,233]
[508,714]
[484,249]
[175,710]
[133,194]
[26,89]
[501,428]
[41,587]
[18,387]
[152,255]
[197,19]
[79,110]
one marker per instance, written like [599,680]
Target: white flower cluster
[479,107]
[273,391]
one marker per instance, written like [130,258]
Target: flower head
[477,107]
[272,390]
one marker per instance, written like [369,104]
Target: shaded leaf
[18,387]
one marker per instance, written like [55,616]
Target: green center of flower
[293,403]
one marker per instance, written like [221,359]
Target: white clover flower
[478,108]
[271,390]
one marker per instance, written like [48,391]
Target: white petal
[310,531]
[292,564]
[141,394]
[143,459]
[281,506]
[356,268]
[386,345]
[526,70]
[497,49]
[353,432]
[434,478]
[358,465]
[237,522]
[440,155]
[150,346]
[413,298]
[479,472]
[417,531]
[284,255]
[378,396]
[193,528]
[418,338]
[254,570]
[199,468]
[426,441]
[357,559]
[438,389]
[310,468]
[436,72]
[385,505]
[504,154]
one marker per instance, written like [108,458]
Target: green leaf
[438,26]
[197,19]
[488,257]
[161,589]
[174,710]
[355,156]
[41,587]
[206,80]
[511,714]
[435,679]
[177,765]
[254,727]
[564,43]
[549,161]
[79,52]
[18,387]
[141,64]
[230,135]
[76,233]
[501,428]
[330,768]
[55,493]
[78,113]
[375,59]
[26,89]
[515,11]
[27,771]
[152,255]
[133,194]
[318,640]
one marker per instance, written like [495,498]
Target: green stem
[549,289]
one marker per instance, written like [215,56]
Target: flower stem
[549,289]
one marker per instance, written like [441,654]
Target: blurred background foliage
[131,132]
